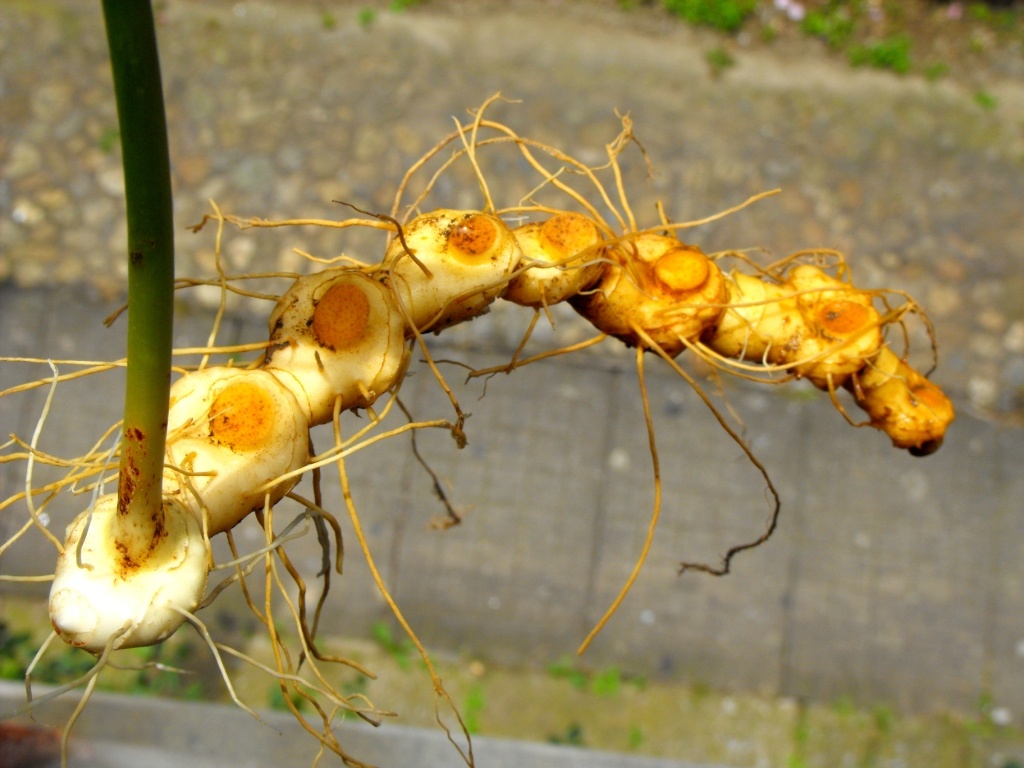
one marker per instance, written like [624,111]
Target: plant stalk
[131,37]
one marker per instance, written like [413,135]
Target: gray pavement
[891,579]
[124,732]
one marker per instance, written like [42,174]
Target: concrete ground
[891,579]
[120,732]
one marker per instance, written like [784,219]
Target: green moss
[18,648]
[936,71]
[726,15]
[834,24]
[276,700]
[607,682]
[473,706]
[636,737]
[892,53]
[565,669]
[109,140]
[985,100]
[719,60]
[400,650]
[571,736]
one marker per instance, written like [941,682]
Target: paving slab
[122,732]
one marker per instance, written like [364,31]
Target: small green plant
[982,726]
[572,736]
[635,739]
[607,682]
[884,718]
[719,60]
[152,670]
[936,71]
[366,16]
[14,646]
[892,53]
[984,13]
[328,21]
[725,15]
[844,706]
[17,649]
[67,664]
[473,707]
[400,650]
[401,5]
[108,140]
[700,691]
[357,685]
[979,43]
[564,669]
[277,701]
[801,737]
[985,100]
[834,25]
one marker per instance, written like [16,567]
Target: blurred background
[895,132]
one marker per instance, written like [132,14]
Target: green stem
[131,36]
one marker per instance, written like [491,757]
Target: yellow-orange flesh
[683,269]
[472,238]
[568,233]
[930,396]
[843,318]
[242,416]
[341,316]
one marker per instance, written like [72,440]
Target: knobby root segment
[99,595]
[339,344]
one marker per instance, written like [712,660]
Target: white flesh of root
[231,433]
[97,599]
[336,334]
[459,264]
